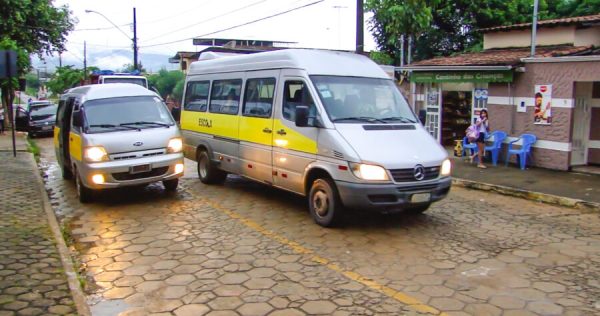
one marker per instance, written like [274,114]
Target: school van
[115,135]
[331,126]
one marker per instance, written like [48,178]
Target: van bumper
[118,173]
[389,198]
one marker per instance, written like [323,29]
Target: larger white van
[331,126]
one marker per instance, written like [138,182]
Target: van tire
[207,172]
[66,173]
[324,203]
[171,185]
[420,209]
[84,194]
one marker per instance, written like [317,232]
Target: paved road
[244,249]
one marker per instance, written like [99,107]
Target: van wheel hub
[321,203]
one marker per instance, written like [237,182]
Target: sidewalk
[556,187]
[34,278]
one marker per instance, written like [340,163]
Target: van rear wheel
[324,203]
[207,172]
[84,194]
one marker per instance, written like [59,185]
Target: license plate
[420,197]
[46,128]
[140,168]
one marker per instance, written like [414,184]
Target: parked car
[37,118]
[116,135]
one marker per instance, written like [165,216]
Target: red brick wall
[594,155]
[595,124]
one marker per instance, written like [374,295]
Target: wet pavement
[246,249]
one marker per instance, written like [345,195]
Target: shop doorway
[581,123]
[456,115]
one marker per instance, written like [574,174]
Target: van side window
[60,113]
[225,96]
[296,93]
[196,96]
[258,97]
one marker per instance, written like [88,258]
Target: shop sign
[467,76]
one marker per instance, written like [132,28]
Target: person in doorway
[483,127]
[1,120]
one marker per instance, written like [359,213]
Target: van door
[256,126]
[62,131]
[294,148]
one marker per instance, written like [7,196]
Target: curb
[65,254]
[529,195]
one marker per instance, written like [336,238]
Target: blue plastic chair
[496,146]
[472,147]
[524,151]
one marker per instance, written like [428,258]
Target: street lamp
[135,53]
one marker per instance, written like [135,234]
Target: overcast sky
[328,24]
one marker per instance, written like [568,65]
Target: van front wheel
[66,173]
[324,203]
[207,172]
[84,194]
[171,185]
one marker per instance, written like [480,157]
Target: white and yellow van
[115,135]
[331,126]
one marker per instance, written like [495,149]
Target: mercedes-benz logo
[138,144]
[419,172]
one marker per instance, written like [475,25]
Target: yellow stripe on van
[251,130]
[293,139]
[75,146]
[56,136]
[223,125]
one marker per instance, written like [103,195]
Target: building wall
[589,36]
[553,148]
[594,153]
[522,38]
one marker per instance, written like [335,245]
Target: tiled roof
[549,23]
[506,56]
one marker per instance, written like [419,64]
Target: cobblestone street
[32,280]
[245,249]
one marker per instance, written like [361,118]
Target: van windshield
[106,115]
[356,99]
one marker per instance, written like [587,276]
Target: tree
[31,27]
[165,82]
[64,78]
[447,27]
[33,83]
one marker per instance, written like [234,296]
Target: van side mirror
[422,116]
[78,119]
[302,116]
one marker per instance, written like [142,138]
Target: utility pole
[59,59]
[534,27]
[402,50]
[359,27]
[135,50]
[84,61]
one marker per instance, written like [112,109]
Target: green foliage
[381,58]
[35,25]
[166,81]
[447,27]
[178,91]
[33,82]
[130,68]
[64,78]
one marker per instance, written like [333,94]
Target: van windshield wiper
[111,126]
[360,118]
[398,118]
[145,123]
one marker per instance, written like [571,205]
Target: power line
[239,25]
[100,28]
[174,15]
[207,20]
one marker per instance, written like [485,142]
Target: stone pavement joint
[403,298]
[33,280]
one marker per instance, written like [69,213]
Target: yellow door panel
[292,139]
[75,149]
[256,130]
[56,136]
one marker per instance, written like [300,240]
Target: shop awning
[461,76]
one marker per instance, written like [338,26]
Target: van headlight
[446,168]
[369,172]
[95,154]
[175,145]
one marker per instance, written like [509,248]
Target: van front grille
[131,155]
[408,175]
[423,187]
[124,176]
